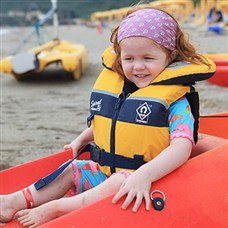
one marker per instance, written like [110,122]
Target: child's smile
[141,75]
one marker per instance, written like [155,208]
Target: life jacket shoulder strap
[193,99]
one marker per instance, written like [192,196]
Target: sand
[39,117]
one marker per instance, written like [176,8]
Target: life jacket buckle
[138,160]
[96,154]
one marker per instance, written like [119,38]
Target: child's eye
[128,58]
[148,58]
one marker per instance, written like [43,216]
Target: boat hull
[220,77]
[195,192]
[195,197]
[55,55]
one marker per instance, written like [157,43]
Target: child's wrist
[147,171]
[80,142]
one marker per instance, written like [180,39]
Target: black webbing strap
[108,159]
[97,155]
[48,179]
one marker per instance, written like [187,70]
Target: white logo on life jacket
[143,112]
[96,105]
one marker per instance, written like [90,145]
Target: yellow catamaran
[70,56]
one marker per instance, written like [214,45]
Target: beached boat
[69,56]
[196,193]
[221,75]
[56,55]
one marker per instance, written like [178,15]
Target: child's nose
[139,65]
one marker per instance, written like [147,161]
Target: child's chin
[143,85]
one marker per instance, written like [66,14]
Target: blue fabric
[180,118]
[216,28]
[87,175]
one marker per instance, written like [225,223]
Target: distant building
[15,13]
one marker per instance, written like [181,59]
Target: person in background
[216,21]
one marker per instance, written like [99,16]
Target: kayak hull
[214,124]
[195,192]
[192,195]
[195,197]
[220,77]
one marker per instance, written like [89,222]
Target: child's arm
[85,137]
[139,183]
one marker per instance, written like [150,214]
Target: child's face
[142,60]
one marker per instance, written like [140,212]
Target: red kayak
[196,193]
[221,75]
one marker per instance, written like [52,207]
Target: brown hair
[184,51]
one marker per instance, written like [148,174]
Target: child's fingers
[148,202]
[70,146]
[131,195]
[67,146]
[138,202]
[118,195]
[74,152]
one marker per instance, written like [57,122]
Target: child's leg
[46,212]
[10,204]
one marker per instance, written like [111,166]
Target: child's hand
[84,138]
[135,186]
[75,146]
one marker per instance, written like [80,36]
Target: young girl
[142,122]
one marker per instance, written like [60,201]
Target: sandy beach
[39,117]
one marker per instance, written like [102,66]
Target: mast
[52,13]
[55,17]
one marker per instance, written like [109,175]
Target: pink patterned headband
[151,23]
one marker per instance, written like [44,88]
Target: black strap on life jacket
[193,99]
[115,160]
[97,155]
[48,179]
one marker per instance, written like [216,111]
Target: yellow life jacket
[138,124]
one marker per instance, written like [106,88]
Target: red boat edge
[201,182]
